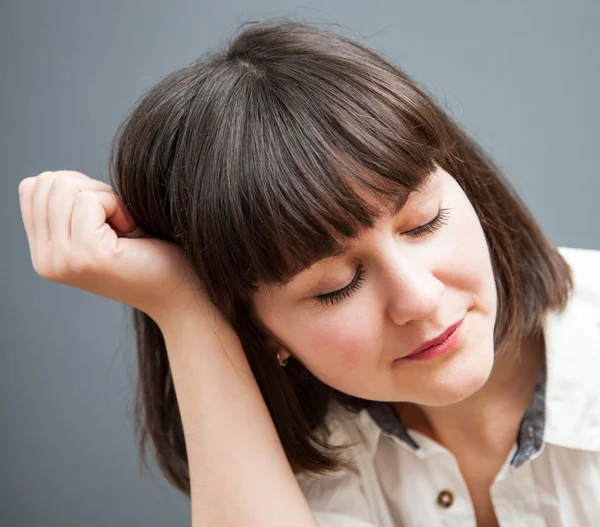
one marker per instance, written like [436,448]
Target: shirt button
[445,499]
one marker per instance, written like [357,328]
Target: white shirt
[556,481]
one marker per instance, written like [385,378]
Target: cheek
[472,266]
[346,340]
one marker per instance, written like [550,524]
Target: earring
[283,362]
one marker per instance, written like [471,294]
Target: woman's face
[408,289]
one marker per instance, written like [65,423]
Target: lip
[438,345]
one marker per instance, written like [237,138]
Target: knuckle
[74,174]
[42,268]
[35,180]
[55,183]
[42,262]
[26,185]
[46,176]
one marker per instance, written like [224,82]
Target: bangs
[261,159]
[303,149]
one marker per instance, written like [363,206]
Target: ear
[274,348]
[284,354]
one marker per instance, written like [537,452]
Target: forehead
[395,202]
[392,206]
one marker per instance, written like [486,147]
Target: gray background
[521,76]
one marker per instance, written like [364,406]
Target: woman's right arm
[239,473]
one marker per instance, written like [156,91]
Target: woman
[344,313]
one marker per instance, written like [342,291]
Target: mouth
[438,346]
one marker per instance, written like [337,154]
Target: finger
[26,189]
[121,220]
[61,200]
[40,210]
[84,181]
[90,212]
[74,174]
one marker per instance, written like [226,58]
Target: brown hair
[239,159]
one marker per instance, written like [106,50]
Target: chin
[454,382]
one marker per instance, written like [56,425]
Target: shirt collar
[529,438]
[573,386]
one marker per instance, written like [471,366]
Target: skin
[413,290]
[72,224]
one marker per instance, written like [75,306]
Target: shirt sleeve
[336,500]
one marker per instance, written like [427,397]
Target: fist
[77,230]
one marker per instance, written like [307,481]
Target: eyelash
[337,296]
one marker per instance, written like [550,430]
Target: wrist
[198,324]
[184,310]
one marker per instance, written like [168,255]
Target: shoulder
[338,498]
[585,264]
[340,430]
[573,358]
[583,259]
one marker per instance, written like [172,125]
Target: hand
[75,227]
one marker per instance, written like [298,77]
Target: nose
[411,289]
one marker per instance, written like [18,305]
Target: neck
[489,419]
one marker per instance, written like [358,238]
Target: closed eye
[337,296]
[433,225]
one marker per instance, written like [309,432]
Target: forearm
[238,470]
